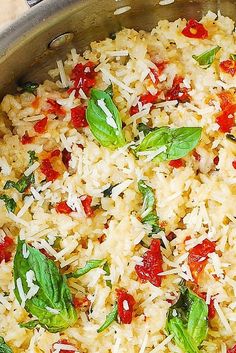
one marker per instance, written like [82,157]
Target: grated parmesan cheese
[117,190]
[222,317]
[109,117]
[5,167]
[162,344]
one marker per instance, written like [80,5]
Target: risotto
[117,197]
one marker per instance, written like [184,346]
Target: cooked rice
[197,200]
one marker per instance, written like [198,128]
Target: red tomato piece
[26,139]
[216,160]
[177,163]
[56,108]
[226,99]
[66,157]
[35,103]
[177,91]
[47,169]
[55,153]
[125,303]
[198,257]
[152,264]
[78,118]
[86,202]
[228,66]
[133,110]
[232,350]
[40,126]
[160,68]
[6,245]
[144,99]
[84,78]
[234,164]
[64,342]
[62,207]
[211,306]
[195,29]
[196,156]
[226,120]
[45,253]
[81,303]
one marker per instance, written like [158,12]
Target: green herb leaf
[52,303]
[110,318]
[106,268]
[187,320]
[231,137]
[4,348]
[90,265]
[29,87]
[104,120]
[32,157]
[21,185]
[30,324]
[109,90]
[149,215]
[233,57]
[108,191]
[144,128]
[177,142]
[206,59]
[9,203]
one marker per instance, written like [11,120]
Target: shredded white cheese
[162,344]
[117,190]
[222,317]
[5,167]
[109,117]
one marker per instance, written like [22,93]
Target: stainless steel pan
[25,51]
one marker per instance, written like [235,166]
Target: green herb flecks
[104,120]
[109,90]
[4,348]
[233,57]
[30,325]
[187,321]
[231,137]
[106,268]
[10,203]
[51,301]
[90,265]
[110,318]
[149,215]
[29,87]
[32,157]
[172,143]
[207,58]
[108,191]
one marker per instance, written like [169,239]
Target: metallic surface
[33,2]
[24,52]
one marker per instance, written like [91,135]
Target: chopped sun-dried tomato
[83,77]
[6,245]
[144,99]
[26,139]
[177,163]
[157,72]
[195,29]
[81,303]
[133,110]
[40,126]
[178,91]
[47,169]
[152,264]
[63,342]
[125,303]
[35,103]
[86,202]
[45,253]
[171,236]
[211,306]
[216,160]
[55,153]
[234,164]
[226,99]
[66,157]
[62,207]
[232,350]
[78,118]
[226,119]
[198,257]
[197,156]
[55,108]
[228,66]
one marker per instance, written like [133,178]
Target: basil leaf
[106,268]
[9,203]
[29,87]
[109,90]
[187,320]
[90,265]
[231,137]
[104,120]
[144,128]
[32,157]
[233,57]
[4,348]
[30,324]
[206,59]
[21,185]
[177,142]
[108,191]
[52,303]
[109,319]
[150,217]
